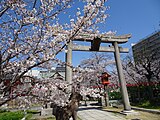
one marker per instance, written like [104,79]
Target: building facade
[147,46]
[43,74]
[58,72]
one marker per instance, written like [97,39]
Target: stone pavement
[94,113]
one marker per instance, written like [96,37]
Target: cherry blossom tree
[98,63]
[131,75]
[32,33]
[86,80]
[143,71]
[133,79]
[148,66]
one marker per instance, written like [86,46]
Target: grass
[78,118]
[144,116]
[47,118]
[148,105]
[141,115]
[28,116]
[11,115]
[18,115]
[37,117]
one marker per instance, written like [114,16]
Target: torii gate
[95,46]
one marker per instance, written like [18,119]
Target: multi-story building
[58,72]
[147,46]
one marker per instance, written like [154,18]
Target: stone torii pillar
[68,72]
[122,81]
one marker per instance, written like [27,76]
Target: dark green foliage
[115,95]
[11,115]
[140,94]
[141,97]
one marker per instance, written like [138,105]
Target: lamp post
[105,82]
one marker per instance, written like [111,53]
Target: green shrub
[12,115]
[2,111]
[148,104]
[115,95]
[32,111]
[145,104]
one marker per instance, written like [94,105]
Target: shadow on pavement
[88,108]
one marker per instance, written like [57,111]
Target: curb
[146,110]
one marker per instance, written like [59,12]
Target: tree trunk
[139,96]
[66,112]
[150,93]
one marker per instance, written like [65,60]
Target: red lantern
[104,78]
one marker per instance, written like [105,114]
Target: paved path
[93,113]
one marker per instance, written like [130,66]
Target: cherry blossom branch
[4,10]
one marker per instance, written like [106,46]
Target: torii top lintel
[104,38]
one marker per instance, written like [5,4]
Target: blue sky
[137,17]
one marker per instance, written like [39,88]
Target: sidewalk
[94,113]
